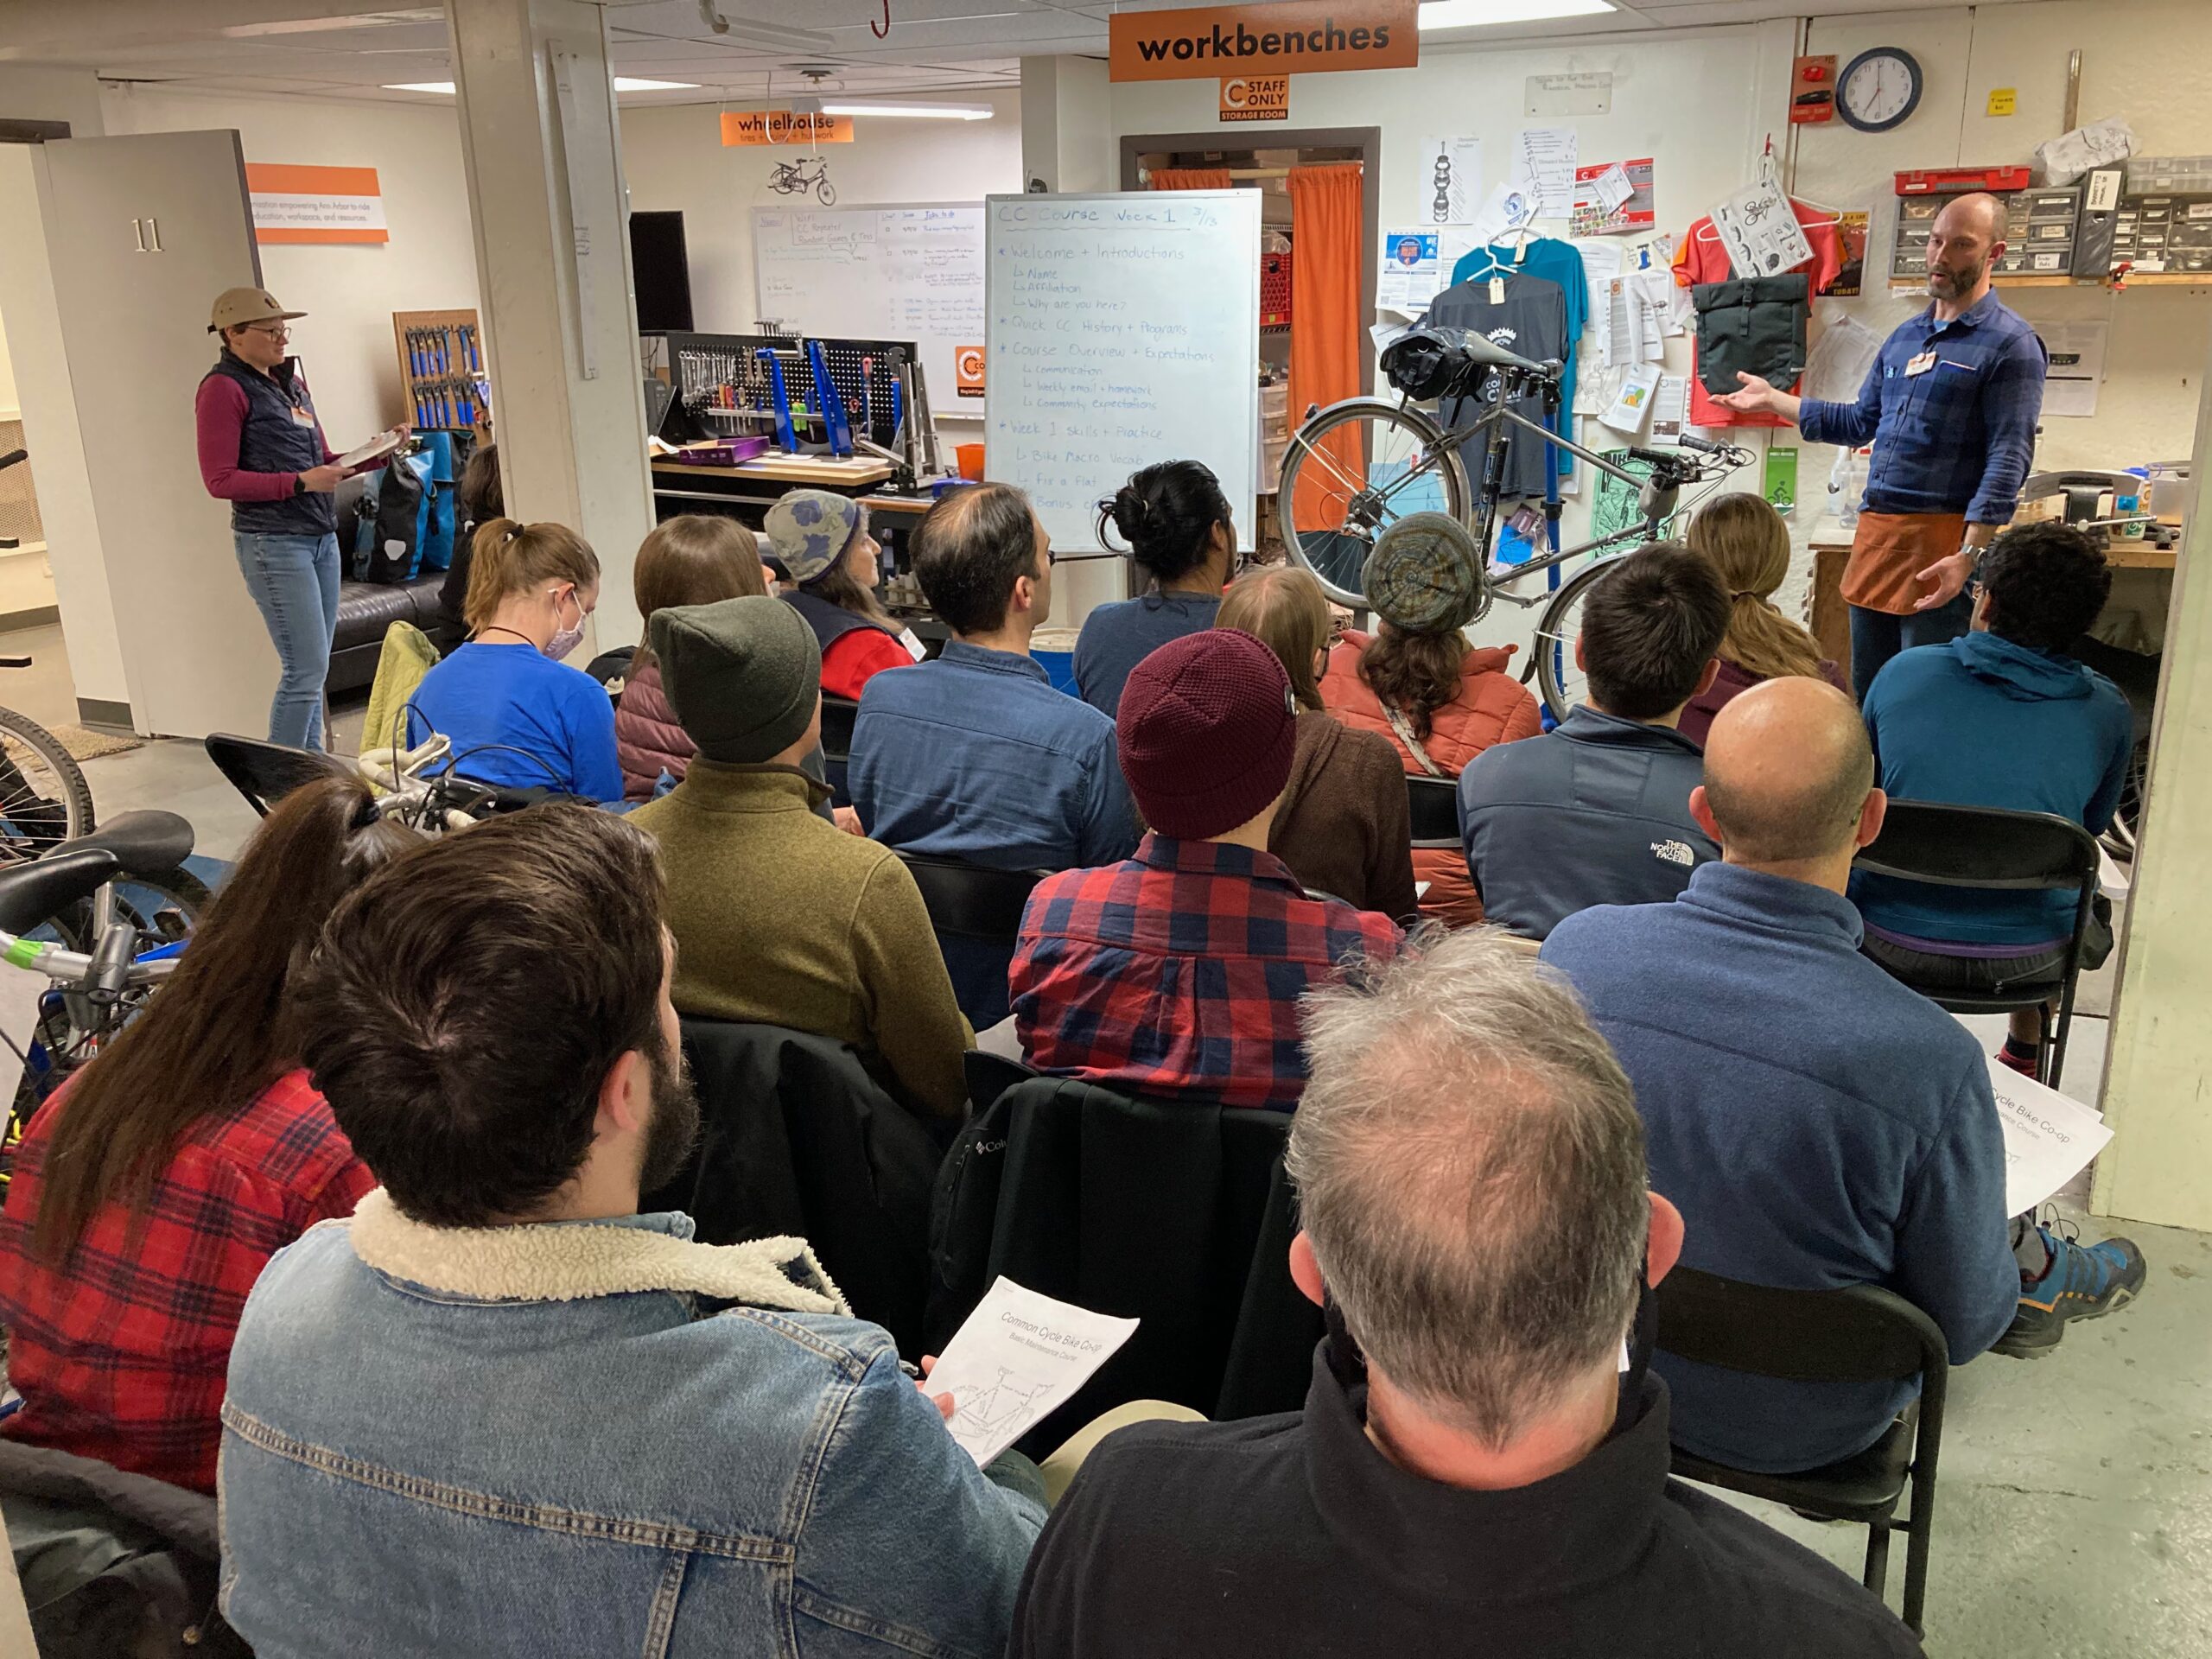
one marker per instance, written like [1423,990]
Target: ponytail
[1746,542]
[512,558]
[218,1034]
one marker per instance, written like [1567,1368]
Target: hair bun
[1131,510]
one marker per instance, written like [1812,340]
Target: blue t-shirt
[1115,637]
[1984,722]
[516,695]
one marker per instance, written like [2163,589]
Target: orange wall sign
[967,369]
[785,127]
[1256,98]
[316,204]
[1298,37]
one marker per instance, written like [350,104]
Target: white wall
[348,290]
[1686,97]
[675,159]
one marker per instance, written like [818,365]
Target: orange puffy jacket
[1492,707]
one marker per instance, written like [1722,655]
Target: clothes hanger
[1768,175]
[1521,236]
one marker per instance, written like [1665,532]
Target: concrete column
[2158,1088]
[543,156]
[1067,144]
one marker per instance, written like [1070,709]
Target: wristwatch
[299,484]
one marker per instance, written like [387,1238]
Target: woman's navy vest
[273,441]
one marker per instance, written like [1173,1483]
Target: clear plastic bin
[2158,176]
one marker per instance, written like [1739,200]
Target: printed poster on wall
[1613,200]
[1851,240]
[1782,479]
[315,204]
[1451,179]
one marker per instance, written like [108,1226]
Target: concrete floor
[2074,1504]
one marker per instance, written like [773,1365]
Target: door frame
[1368,141]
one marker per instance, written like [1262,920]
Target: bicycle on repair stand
[44,799]
[1367,463]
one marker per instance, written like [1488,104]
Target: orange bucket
[970,459]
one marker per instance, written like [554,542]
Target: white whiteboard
[911,272]
[1124,330]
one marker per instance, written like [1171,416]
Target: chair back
[837,716]
[971,902]
[797,1136]
[1137,1208]
[1859,1333]
[1948,845]
[1435,805]
[265,773]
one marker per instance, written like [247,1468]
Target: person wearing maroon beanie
[1175,973]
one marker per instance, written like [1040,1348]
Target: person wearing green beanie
[781,918]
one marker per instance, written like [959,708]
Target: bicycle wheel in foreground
[1349,474]
[1560,680]
[44,799]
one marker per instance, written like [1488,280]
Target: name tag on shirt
[303,417]
[1921,363]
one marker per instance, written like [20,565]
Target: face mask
[565,640]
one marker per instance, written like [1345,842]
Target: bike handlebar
[13,457]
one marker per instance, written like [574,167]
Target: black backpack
[388,537]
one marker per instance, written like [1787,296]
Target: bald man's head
[1787,769]
[1963,244]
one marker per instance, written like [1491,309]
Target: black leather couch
[365,609]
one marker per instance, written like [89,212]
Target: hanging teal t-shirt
[1555,262]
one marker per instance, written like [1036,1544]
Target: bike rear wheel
[1559,680]
[44,799]
[1349,474]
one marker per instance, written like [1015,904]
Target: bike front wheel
[828,192]
[44,799]
[1558,679]
[1350,473]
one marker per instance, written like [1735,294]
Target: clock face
[1879,89]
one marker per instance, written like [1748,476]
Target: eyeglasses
[274,330]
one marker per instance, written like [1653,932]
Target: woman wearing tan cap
[262,450]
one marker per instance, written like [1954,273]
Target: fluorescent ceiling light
[920,112]
[622,83]
[1474,14]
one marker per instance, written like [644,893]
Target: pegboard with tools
[729,390]
[441,372]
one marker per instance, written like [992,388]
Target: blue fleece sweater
[1982,721]
[1817,1124]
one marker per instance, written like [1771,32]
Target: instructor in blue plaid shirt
[1951,405]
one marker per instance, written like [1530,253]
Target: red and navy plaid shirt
[1176,974]
[120,1353]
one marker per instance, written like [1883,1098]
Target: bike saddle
[142,843]
[33,893]
[1425,363]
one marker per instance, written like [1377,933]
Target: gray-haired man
[1473,1472]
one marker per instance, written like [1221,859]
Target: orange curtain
[1190,178]
[1328,241]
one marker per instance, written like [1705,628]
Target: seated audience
[975,756]
[1747,542]
[781,919]
[1473,1473]
[517,714]
[1176,974]
[478,502]
[693,559]
[1342,827]
[2001,716]
[1174,520]
[1440,701]
[1597,811]
[151,1189]
[1819,1124]
[821,540]
[499,1413]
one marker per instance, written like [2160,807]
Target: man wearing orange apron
[1951,405]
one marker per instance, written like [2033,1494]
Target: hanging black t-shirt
[1530,319]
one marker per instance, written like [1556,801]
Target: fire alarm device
[1812,90]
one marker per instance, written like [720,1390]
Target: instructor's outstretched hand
[1754,396]
[1950,575]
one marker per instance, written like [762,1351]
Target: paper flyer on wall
[2049,1138]
[1613,200]
[1670,408]
[1506,208]
[1782,479]
[1544,166]
[1019,1356]
[1633,402]
[1761,232]
[1451,179]
[1836,366]
[2077,366]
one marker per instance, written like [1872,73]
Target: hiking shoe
[2023,1062]
[2083,1281]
